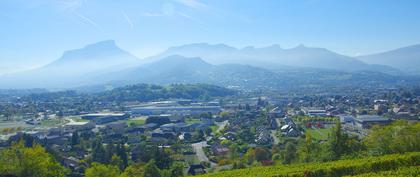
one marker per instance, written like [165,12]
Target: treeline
[399,137]
[113,160]
[138,92]
[145,92]
[25,159]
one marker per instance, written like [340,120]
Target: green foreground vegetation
[15,161]
[379,166]
[391,150]
[413,171]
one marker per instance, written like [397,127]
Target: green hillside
[388,165]
[412,171]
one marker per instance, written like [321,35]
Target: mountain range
[274,56]
[406,59]
[74,68]
[104,63]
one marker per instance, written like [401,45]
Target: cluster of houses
[263,136]
[158,128]
[364,121]
[289,128]
[359,124]
[103,118]
[405,110]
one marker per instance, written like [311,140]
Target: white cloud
[190,18]
[195,4]
[69,5]
[128,19]
[168,10]
[152,14]
[87,20]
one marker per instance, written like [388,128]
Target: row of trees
[29,159]
[145,92]
[136,170]
[399,137]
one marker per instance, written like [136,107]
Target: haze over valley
[105,63]
[209,88]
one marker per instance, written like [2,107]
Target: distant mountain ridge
[74,67]
[100,55]
[190,70]
[273,56]
[406,58]
[104,63]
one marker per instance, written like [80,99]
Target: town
[199,135]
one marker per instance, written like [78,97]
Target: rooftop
[104,114]
[76,123]
[370,118]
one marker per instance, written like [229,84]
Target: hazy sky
[38,31]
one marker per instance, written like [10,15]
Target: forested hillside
[145,92]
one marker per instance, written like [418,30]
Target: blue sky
[35,32]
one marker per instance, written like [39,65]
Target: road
[222,125]
[198,149]
[278,122]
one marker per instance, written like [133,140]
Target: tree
[398,137]
[98,151]
[109,152]
[135,170]
[122,153]
[290,153]
[151,170]
[224,114]
[336,143]
[208,131]
[234,151]
[261,154]
[143,152]
[177,170]
[305,148]
[116,161]
[33,161]
[198,135]
[75,139]
[162,158]
[249,156]
[101,170]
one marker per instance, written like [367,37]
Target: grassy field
[319,134]
[52,122]
[135,121]
[192,121]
